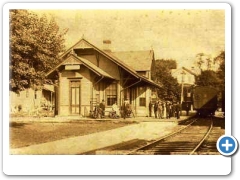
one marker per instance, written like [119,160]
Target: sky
[172,34]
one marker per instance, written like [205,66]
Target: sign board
[72,67]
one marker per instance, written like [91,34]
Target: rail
[160,139]
[203,139]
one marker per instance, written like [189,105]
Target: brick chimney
[107,45]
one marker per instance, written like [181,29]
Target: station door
[75,97]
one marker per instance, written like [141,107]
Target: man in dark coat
[150,108]
[102,106]
[174,110]
[125,108]
[156,109]
[167,110]
[177,108]
[187,108]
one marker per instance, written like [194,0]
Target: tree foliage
[208,78]
[35,45]
[204,61]
[171,89]
[200,60]
[214,78]
[221,70]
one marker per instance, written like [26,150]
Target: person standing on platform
[187,108]
[164,110]
[150,108]
[156,109]
[102,106]
[125,108]
[173,110]
[170,110]
[177,108]
[167,110]
[159,110]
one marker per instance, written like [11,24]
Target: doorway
[75,97]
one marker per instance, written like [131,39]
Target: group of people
[99,110]
[164,110]
[124,111]
[161,109]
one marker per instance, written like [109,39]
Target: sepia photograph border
[114,164]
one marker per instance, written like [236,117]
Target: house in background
[87,75]
[186,78]
[30,101]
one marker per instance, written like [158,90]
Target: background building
[186,78]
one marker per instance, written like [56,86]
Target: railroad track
[208,147]
[198,137]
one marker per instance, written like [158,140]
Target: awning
[48,87]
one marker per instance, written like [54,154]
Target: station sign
[72,67]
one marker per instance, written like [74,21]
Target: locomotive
[205,100]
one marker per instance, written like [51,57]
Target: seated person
[115,108]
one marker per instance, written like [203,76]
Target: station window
[111,94]
[142,96]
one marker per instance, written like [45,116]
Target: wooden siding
[64,91]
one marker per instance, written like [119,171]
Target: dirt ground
[26,134]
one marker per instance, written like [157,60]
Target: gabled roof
[189,71]
[83,43]
[74,59]
[139,60]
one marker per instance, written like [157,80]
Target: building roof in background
[138,60]
[185,75]
[189,71]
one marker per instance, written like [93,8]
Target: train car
[205,100]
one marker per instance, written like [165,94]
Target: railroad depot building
[87,75]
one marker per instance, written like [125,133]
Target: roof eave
[81,61]
[134,73]
[152,83]
[107,55]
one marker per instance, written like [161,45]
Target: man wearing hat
[177,108]
[160,109]
[150,105]
[102,106]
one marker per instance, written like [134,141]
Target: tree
[208,78]
[213,78]
[200,60]
[35,45]
[171,88]
[220,59]
[204,61]
[221,70]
